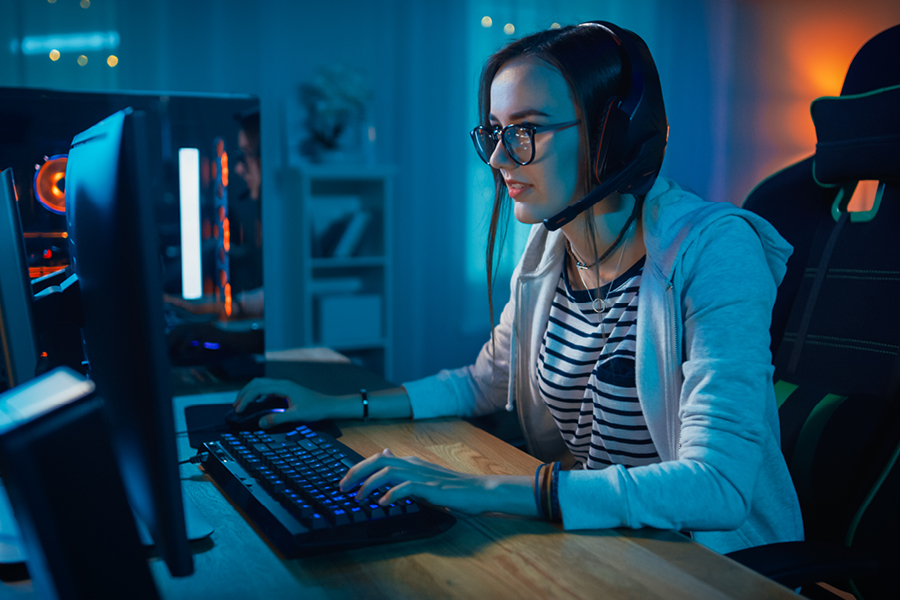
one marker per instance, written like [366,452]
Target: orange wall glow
[787,55]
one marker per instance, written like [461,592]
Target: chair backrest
[836,323]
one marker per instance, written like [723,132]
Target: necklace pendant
[581,266]
[598,304]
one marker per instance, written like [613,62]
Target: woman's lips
[516,188]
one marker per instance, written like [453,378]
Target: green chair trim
[783,391]
[843,197]
[804,452]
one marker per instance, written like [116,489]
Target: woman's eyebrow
[528,112]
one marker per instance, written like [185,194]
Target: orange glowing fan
[49,184]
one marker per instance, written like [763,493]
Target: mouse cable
[196,459]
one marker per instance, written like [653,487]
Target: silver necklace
[601,305]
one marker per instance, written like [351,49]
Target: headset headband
[640,131]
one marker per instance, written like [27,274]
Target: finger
[249,392]
[386,476]
[387,452]
[357,473]
[278,418]
[362,470]
[398,492]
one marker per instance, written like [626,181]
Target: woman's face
[528,91]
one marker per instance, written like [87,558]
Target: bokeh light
[54,55]
[113,60]
[486,21]
[85,3]
[509,29]
[82,60]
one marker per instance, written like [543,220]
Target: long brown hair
[591,62]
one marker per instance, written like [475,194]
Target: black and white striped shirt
[585,372]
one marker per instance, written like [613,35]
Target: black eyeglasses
[518,139]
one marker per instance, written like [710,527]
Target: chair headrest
[858,137]
[875,66]
[858,133]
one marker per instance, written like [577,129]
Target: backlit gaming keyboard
[287,484]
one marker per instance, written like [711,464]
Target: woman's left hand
[413,477]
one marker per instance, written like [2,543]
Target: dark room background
[738,77]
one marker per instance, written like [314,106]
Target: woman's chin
[525,214]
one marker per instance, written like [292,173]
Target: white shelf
[367,272]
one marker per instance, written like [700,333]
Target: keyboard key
[317,521]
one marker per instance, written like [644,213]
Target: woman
[635,346]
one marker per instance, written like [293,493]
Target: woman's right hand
[304,404]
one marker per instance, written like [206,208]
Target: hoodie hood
[675,218]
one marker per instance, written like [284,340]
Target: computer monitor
[201,153]
[20,353]
[113,185]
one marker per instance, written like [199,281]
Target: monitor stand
[12,550]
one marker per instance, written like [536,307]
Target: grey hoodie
[704,378]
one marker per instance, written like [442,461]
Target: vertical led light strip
[189,191]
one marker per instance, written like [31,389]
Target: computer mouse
[248,419]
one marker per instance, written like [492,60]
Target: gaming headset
[634,131]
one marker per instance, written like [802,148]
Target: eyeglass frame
[498,134]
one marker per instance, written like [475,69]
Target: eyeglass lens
[516,140]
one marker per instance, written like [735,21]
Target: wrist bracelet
[545,492]
[555,514]
[365,403]
[537,492]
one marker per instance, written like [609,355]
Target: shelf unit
[342,296]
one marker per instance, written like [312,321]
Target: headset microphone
[638,131]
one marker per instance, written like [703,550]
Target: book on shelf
[331,214]
[328,241]
[352,235]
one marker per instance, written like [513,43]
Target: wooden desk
[479,557]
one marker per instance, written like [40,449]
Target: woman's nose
[500,158]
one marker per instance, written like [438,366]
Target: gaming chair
[836,337]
